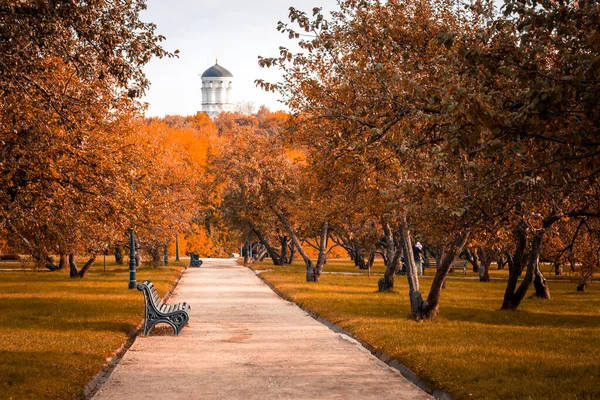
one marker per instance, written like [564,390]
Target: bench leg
[179,321]
[148,327]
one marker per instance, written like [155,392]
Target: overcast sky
[237,30]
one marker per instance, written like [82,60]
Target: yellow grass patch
[56,333]
[544,350]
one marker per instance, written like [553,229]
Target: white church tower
[216,90]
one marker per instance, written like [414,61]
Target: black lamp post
[132,277]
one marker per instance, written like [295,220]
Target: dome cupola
[217,71]
[217,86]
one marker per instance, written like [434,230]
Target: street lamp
[132,277]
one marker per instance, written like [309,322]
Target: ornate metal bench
[456,265]
[195,260]
[176,315]
[460,264]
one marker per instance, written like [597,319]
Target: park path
[245,342]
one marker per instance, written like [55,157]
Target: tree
[70,74]
[364,92]
[528,93]
[467,120]
[269,190]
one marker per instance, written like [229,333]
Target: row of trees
[466,129]
[79,166]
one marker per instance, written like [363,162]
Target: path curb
[406,372]
[98,380]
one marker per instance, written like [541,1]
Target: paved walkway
[245,342]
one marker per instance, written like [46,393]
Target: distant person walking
[418,254]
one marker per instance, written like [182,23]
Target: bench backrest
[150,293]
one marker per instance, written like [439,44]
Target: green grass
[56,333]
[544,350]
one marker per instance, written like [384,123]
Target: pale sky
[237,30]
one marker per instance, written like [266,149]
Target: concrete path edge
[404,370]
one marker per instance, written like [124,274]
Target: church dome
[216,71]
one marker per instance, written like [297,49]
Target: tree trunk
[356,253]
[473,258]
[391,259]
[558,269]
[246,253]
[371,260]
[322,259]
[515,267]
[260,253]
[513,298]
[155,254]
[270,250]
[138,258]
[283,241]
[438,261]
[351,250]
[310,269]
[247,249]
[51,264]
[119,254]
[86,267]
[64,261]
[539,282]
[292,252]
[166,255]
[73,273]
[485,258]
[358,261]
[412,275]
[386,283]
[582,285]
[429,309]
[501,260]
[476,262]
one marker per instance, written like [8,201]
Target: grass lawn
[56,333]
[341,265]
[544,350]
